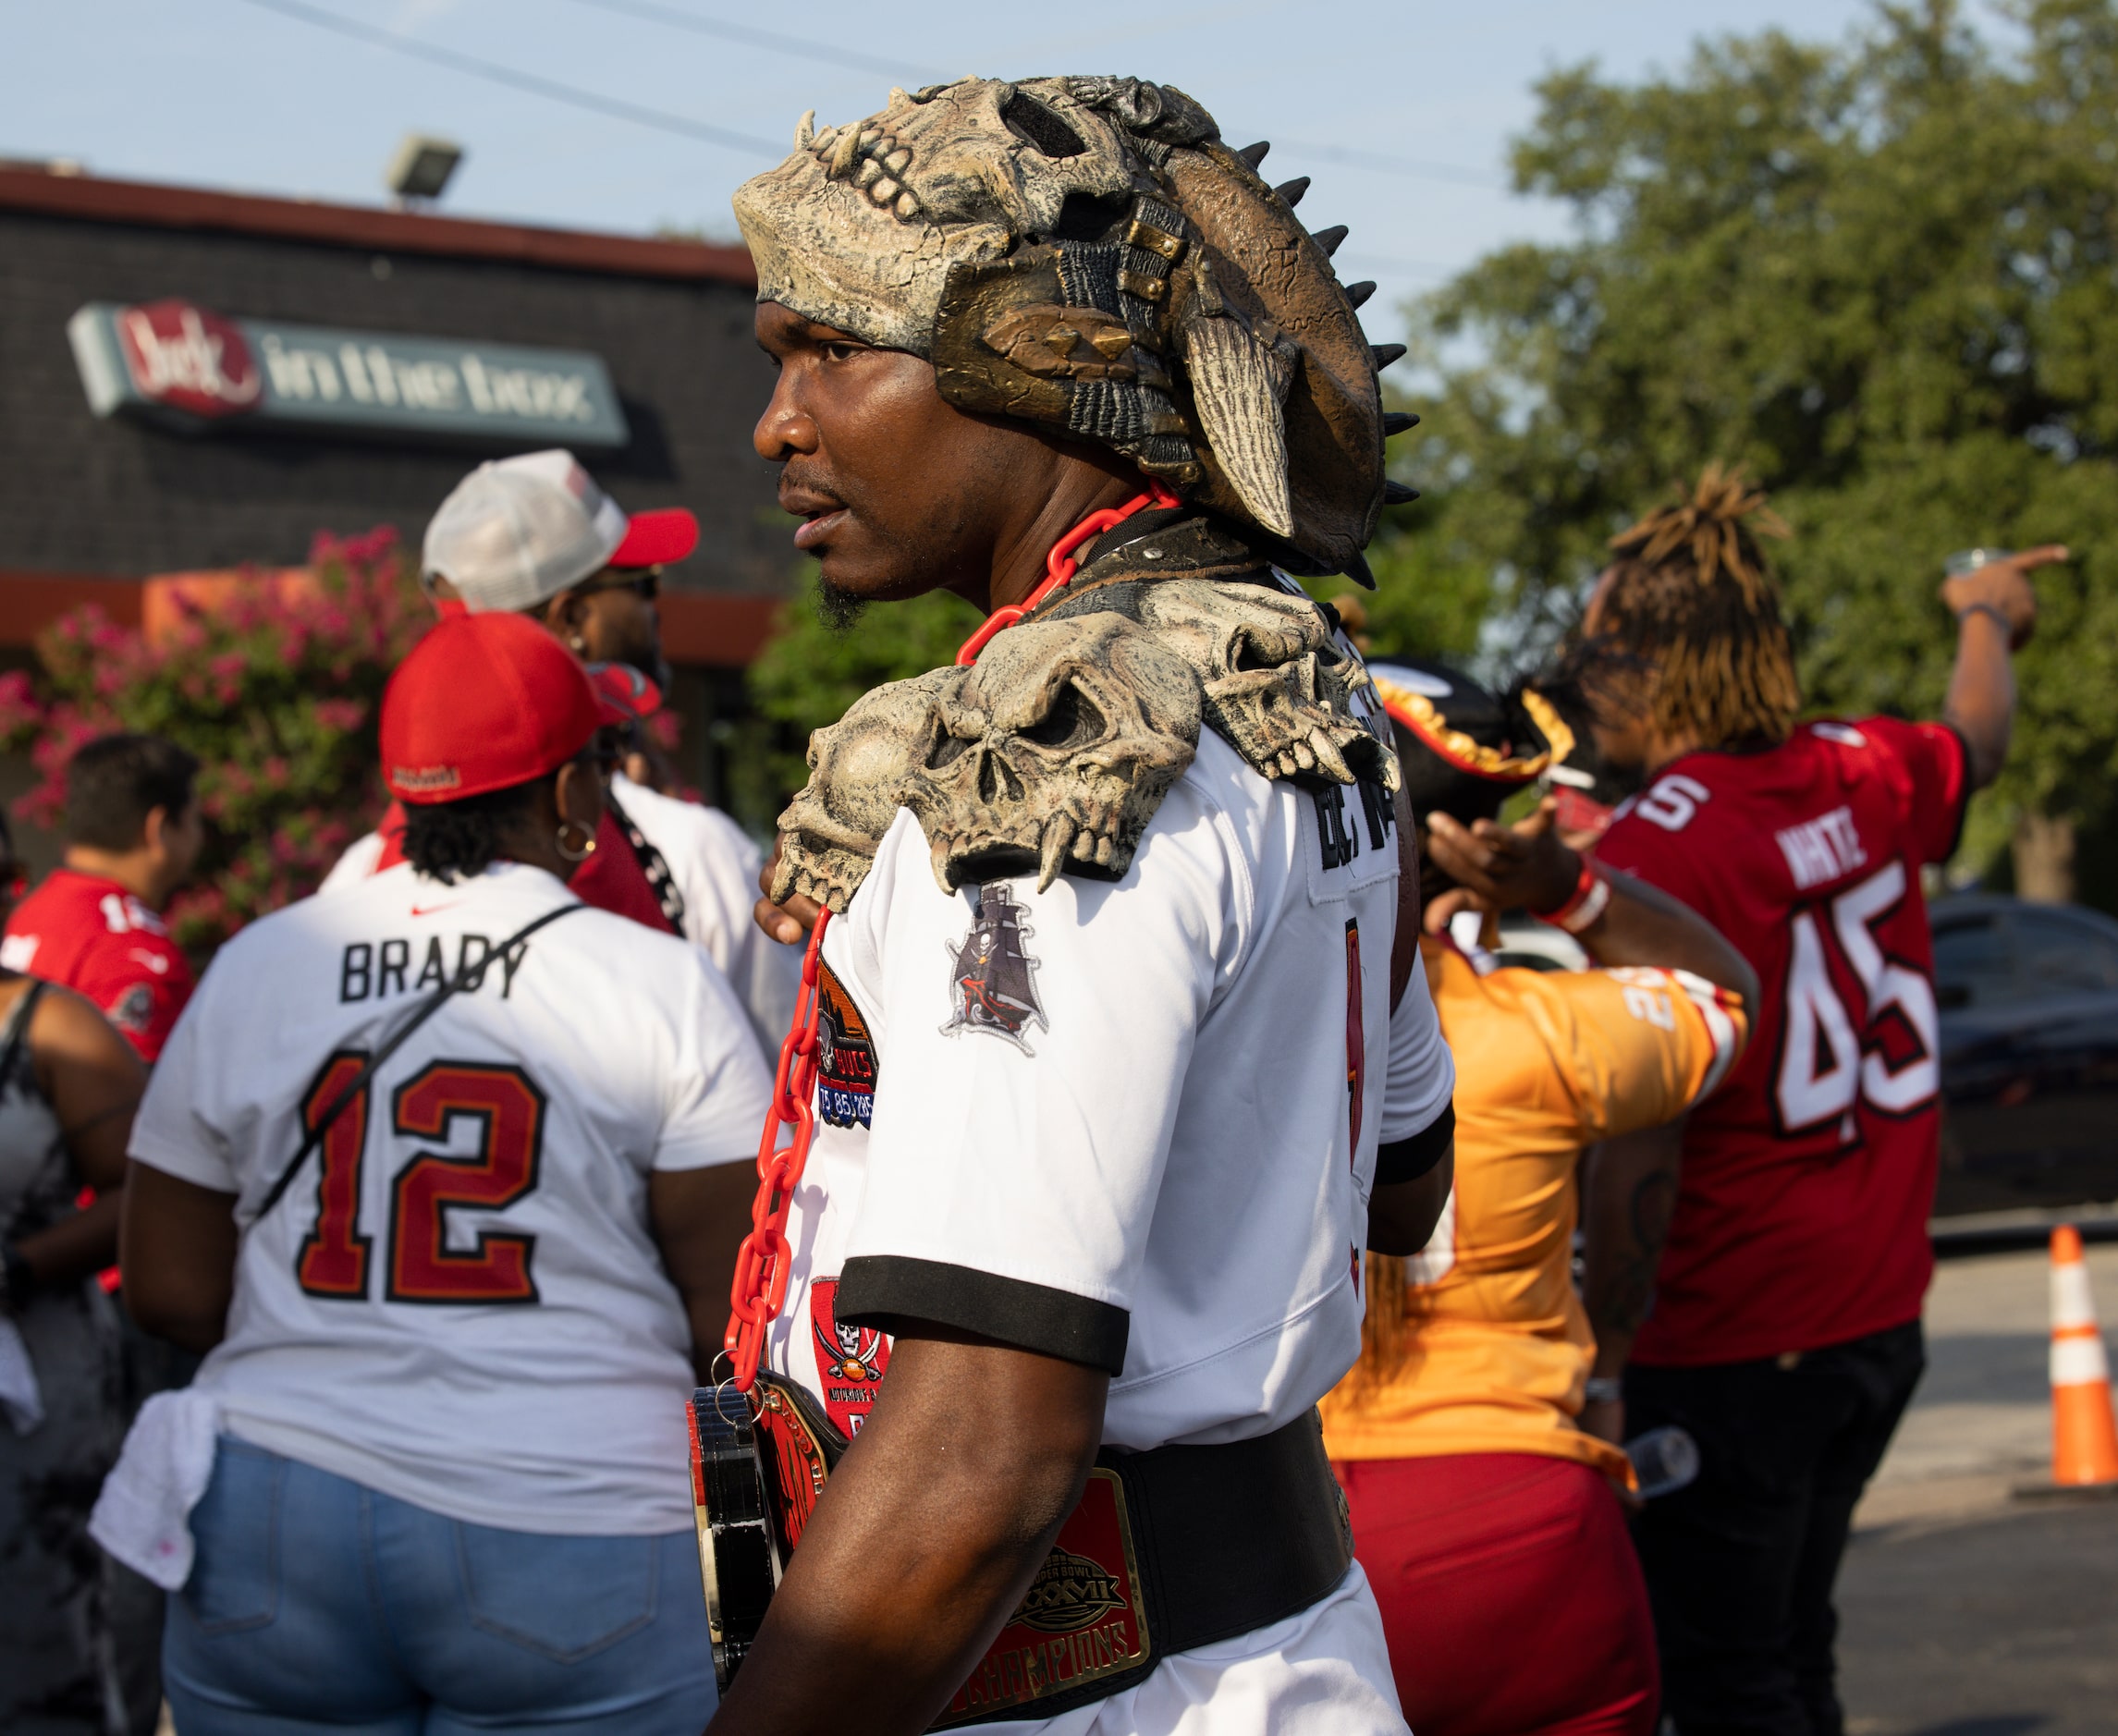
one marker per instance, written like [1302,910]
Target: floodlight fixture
[422,166]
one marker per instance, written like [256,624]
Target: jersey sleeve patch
[846,1069]
[992,983]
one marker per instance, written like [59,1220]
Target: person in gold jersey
[1484,1510]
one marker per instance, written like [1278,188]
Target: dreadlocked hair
[1388,1326]
[1692,597]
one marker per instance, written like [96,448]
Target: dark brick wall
[119,498]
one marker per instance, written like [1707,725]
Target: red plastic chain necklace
[1060,566]
[762,1264]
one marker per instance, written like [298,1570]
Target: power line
[801,47]
[552,90]
[494,73]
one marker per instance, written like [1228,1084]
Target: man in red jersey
[133,833]
[1785,1329]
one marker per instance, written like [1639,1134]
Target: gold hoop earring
[576,852]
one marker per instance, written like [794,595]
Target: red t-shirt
[611,879]
[1808,1177]
[92,936]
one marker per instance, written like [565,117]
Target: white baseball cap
[519,531]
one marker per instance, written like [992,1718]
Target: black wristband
[1995,610]
[18,1277]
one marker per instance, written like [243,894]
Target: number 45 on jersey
[1828,1058]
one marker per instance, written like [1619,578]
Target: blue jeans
[317,1605]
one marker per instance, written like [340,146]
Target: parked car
[2027,996]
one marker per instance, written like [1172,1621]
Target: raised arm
[1525,866]
[1996,613]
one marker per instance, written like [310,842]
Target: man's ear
[155,830]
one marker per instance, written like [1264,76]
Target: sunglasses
[647,585]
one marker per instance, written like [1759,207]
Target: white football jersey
[716,866]
[458,1301]
[1132,1124]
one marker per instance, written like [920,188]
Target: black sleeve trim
[888,1289]
[1411,1158]
[1963,804]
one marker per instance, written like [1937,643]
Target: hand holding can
[1995,581]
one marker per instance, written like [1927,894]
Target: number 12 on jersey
[1827,1061]
[508,1110]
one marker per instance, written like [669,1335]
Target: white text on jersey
[1671,802]
[1822,848]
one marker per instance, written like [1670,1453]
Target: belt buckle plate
[1083,1619]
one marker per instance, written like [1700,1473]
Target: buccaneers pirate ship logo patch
[990,972]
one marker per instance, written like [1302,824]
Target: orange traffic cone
[2084,1435]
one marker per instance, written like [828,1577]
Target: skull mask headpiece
[1085,253]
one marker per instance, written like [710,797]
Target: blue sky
[231,93]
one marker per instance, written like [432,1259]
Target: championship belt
[1235,1538]
[758,1464]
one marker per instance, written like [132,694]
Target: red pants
[1511,1596]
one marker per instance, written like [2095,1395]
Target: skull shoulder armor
[1053,750]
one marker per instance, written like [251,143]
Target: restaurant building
[198,382]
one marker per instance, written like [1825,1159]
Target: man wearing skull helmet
[1117,1069]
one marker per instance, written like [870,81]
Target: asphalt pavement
[1966,1609]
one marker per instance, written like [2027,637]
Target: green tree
[1878,274]
[808,673]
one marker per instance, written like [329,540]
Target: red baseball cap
[655,538]
[627,696]
[484,702]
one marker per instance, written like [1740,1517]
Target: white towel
[20,1397]
[144,1516]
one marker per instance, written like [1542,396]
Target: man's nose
[785,429]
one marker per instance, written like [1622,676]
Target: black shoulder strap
[468,975]
[653,864]
[18,1037]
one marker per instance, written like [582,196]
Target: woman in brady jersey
[440,1171]
[1785,1330]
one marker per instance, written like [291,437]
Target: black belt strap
[467,977]
[1228,1540]
[1235,1537]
